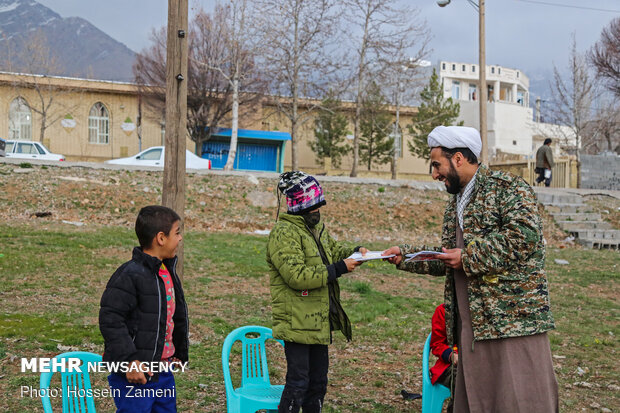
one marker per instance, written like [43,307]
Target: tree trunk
[294,160]
[232,153]
[43,127]
[358,99]
[394,165]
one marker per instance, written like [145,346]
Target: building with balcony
[511,128]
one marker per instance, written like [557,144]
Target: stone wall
[600,171]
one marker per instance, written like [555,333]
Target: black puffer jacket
[132,317]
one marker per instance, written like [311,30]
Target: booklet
[370,255]
[423,256]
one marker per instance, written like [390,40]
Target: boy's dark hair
[152,220]
[466,152]
[547,141]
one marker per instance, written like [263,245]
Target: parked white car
[30,150]
[155,157]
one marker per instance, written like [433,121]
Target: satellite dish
[443,3]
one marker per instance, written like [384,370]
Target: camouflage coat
[298,280]
[503,258]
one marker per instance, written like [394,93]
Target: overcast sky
[529,35]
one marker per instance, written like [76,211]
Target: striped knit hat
[303,192]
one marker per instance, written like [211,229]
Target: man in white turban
[496,294]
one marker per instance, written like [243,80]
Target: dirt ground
[84,196]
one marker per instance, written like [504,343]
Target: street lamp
[482,75]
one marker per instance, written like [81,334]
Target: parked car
[155,157]
[2,147]
[30,150]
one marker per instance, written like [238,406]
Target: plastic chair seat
[261,394]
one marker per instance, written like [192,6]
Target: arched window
[99,124]
[20,120]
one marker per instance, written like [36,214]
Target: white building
[510,126]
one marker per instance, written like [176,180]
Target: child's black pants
[306,377]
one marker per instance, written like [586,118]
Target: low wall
[600,171]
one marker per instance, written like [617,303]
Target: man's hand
[135,375]
[451,258]
[393,251]
[352,263]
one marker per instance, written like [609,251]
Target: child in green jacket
[305,263]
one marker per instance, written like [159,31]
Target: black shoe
[410,396]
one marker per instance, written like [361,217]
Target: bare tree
[37,64]
[572,100]
[383,32]
[236,63]
[605,56]
[209,95]
[298,56]
[604,129]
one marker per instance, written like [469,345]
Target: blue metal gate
[253,157]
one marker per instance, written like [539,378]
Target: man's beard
[453,181]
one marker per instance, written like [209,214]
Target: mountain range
[26,24]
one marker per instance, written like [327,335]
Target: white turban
[456,137]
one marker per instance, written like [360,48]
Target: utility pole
[173,193]
[483,86]
[482,79]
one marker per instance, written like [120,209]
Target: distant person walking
[544,162]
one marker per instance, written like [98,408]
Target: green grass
[53,279]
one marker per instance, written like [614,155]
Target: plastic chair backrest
[76,391]
[433,396]
[254,370]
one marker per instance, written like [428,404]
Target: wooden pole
[483,86]
[173,193]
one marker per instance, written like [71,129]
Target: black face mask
[312,218]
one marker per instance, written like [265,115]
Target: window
[463,68]
[514,143]
[493,70]
[26,148]
[456,90]
[152,155]
[499,70]
[443,66]
[473,69]
[20,120]
[98,124]
[517,75]
[520,98]
[453,67]
[40,148]
[472,92]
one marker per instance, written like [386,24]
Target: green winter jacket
[298,280]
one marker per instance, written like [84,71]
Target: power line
[568,6]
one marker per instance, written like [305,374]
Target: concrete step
[597,234]
[568,208]
[580,216]
[595,243]
[558,199]
[583,225]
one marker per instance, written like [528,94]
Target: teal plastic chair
[256,391]
[433,395]
[75,385]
